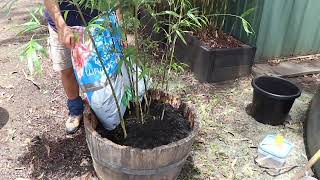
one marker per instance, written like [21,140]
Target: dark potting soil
[217,39]
[153,132]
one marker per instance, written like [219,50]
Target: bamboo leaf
[35,18]
[181,37]
[31,56]
[168,13]
[193,17]
[248,12]
[128,96]
[247,27]
[37,66]
[65,15]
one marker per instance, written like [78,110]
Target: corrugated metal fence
[283,27]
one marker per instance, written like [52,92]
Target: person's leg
[71,88]
[69,83]
[61,58]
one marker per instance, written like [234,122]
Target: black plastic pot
[215,64]
[273,98]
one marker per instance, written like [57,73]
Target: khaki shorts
[59,54]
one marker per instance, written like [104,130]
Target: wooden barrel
[115,162]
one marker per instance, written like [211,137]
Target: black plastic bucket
[273,98]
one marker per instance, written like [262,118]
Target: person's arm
[120,19]
[119,15]
[65,33]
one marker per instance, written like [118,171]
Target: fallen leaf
[200,140]
[19,168]
[27,141]
[7,87]
[69,136]
[41,176]
[48,149]
[84,162]
[10,97]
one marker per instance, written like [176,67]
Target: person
[61,40]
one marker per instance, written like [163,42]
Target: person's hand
[66,36]
[124,44]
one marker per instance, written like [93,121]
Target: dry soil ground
[34,144]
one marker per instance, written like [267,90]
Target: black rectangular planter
[214,64]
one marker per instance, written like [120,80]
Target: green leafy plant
[8,4]
[32,52]
[217,10]
[34,22]
[179,17]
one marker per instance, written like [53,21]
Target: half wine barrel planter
[115,162]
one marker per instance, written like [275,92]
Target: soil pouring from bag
[153,132]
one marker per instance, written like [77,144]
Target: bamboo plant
[181,16]
[217,10]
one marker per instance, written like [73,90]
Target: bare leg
[70,83]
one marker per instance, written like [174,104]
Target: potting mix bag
[91,76]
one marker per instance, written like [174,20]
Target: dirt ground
[227,144]
[34,144]
[32,137]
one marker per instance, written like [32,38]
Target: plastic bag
[91,76]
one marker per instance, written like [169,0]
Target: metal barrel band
[142,172]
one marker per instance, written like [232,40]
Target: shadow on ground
[4,117]
[25,37]
[189,171]
[55,158]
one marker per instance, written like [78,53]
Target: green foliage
[128,96]
[245,24]
[208,7]
[248,12]
[179,68]
[181,18]
[178,18]
[32,52]
[102,6]
[8,4]
[34,23]
[217,11]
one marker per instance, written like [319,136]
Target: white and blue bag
[91,76]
